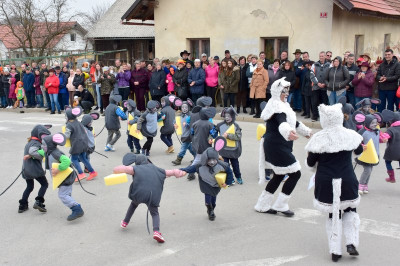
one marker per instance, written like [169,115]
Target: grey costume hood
[231,111]
[132,104]
[208,154]
[39,130]
[115,99]
[131,158]
[207,113]
[204,101]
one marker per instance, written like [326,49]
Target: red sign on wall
[323,15]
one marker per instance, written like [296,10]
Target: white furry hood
[333,137]
[276,106]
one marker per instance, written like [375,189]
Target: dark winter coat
[337,78]
[353,70]
[231,82]
[306,86]
[318,74]
[289,76]
[140,76]
[180,78]
[28,81]
[5,80]
[78,80]
[63,82]
[198,75]
[392,73]
[243,80]
[107,84]
[157,83]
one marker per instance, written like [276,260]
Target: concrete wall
[243,24]
[3,51]
[346,25]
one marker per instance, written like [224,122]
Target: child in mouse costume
[147,187]
[330,156]
[76,132]
[202,102]
[169,121]
[32,169]
[392,152]
[147,125]
[369,132]
[133,116]
[231,154]
[87,121]
[186,137]
[112,116]
[208,167]
[348,111]
[54,155]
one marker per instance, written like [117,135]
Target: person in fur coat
[277,147]
[329,154]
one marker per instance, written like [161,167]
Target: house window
[386,42]
[273,47]
[17,55]
[198,47]
[359,45]
[73,37]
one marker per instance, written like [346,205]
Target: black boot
[335,257]
[210,212]
[191,177]
[244,110]
[351,249]
[23,206]
[238,110]
[39,204]
[252,112]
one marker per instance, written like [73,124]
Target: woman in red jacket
[363,83]
[51,85]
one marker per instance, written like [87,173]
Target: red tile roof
[12,42]
[387,7]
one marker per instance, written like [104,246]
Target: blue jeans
[133,141]
[30,98]
[3,101]
[297,99]
[46,94]
[389,165]
[98,94]
[390,97]
[75,158]
[63,99]
[352,100]
[166,138]
[333,97]
[186,146]
[235,167]
[54,102]
[39,100]
[358,99]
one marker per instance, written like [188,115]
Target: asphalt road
[238,236]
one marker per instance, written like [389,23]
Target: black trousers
[147,145]
[231,97]
[124,92]
[258,107]
[289,185]
[315,101]
[307,106]
[211,92]
[30,185]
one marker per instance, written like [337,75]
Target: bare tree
[95,14]
[35,24]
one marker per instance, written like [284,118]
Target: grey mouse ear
[219,143]
[95,115]
[129,159]
[59,139]
[358,117]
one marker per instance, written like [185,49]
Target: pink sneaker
[80,176]
[158,237]
[92,175]
[360,189]
[365,190]
[124,224]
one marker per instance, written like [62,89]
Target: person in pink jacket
[212,71]
[169,81]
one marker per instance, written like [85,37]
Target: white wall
[3,51]
[65,44]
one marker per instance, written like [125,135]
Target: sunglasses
[329,55]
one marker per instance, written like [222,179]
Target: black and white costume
[276,151]
[329,153]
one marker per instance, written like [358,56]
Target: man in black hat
[297,63]
[185,56]
[216,60]
[229,57]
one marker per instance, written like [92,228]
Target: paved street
[238,236]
